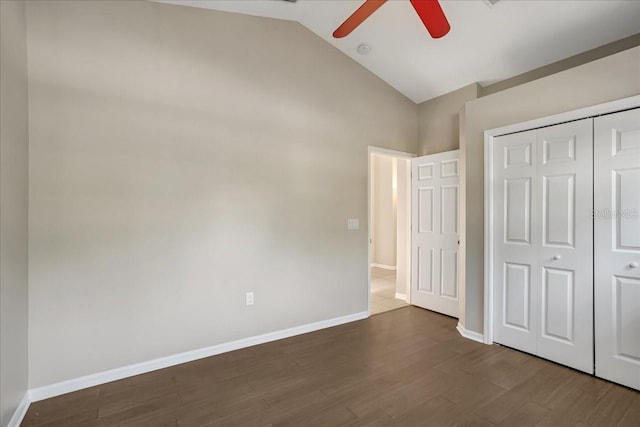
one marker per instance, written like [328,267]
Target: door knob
[633,264]
[556,257]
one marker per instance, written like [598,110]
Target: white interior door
[565,254]
[435,232]
[543,247]
[617,247]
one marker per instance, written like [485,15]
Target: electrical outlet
[249,298]
[353,224]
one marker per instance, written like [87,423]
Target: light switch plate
[353,224]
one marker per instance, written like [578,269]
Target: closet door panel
[558,301]
[565,253]
[558,214]
[515,240]
[627,201]
[617,247]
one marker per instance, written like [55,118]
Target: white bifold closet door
[543,242]
[617,247]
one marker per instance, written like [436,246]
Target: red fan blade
[358,17]
[432,17]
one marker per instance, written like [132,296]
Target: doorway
[389,229]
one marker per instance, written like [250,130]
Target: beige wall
[14,147]
[565,64]
[384,233]
[438,125]
[603,80]
[178,161]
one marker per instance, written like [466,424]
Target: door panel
[517,295]
[449,168]
[627,199]
[518,154]
[627,304]
[517,200]
[435,215]
[425,270]
[558,195]
[617,247]
[425,210]
[425,171]
[449,273]
[449,209]
[626,140]
[565,191]
[558,291]
[516,240]
[559,149]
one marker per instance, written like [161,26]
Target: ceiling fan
[429,12]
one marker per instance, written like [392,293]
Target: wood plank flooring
[407,367]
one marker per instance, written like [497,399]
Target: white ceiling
[486,44]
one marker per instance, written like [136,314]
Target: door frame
[397,155]
[489,135]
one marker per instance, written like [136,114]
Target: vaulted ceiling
[486,43]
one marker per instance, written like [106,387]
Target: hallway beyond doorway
[383,291]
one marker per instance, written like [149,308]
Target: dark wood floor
[407,367]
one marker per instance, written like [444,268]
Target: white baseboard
[75,384]
[402,297]
[475,336]
[20,412]
[384,266]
